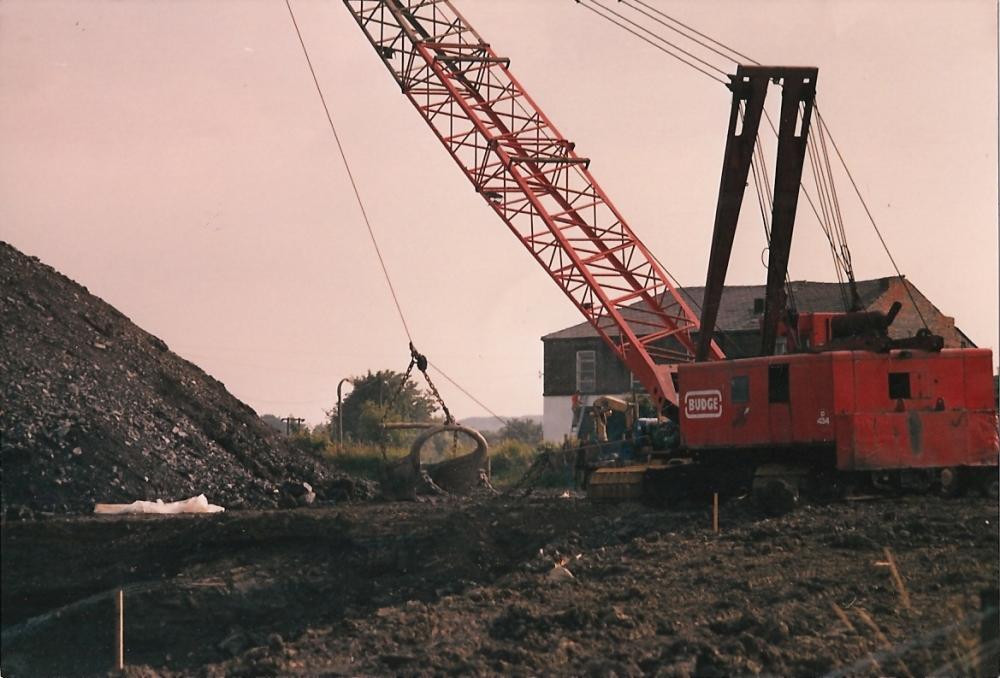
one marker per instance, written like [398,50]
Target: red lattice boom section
[532,177]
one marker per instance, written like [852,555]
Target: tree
[525,430]
[364,407]
[274,422]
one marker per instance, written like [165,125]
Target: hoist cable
[762,186]
[822,213]
[823,178]
[680,32]
[845,255]
[761,200]
[832,239]
[821,195]
[840,234]
[857,191]
[470,396]
[768,189]
[828,230]
[350,174]
[695,31]
[583,3]
[661,39]
[838,216]
[371,233]
[845,252]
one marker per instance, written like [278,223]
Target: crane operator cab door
[800,402]
[779,406]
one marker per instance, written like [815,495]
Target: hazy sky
[174,158]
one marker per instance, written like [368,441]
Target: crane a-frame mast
[533,179]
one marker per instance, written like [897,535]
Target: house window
[777,383]
[740,386]
[586,371]
[899,385]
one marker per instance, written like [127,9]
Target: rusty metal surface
[845,401]
[409,476]
[798,93]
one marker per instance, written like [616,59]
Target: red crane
[532,177]
[863,403]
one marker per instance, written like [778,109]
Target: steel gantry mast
[533,179]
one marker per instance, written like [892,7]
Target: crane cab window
[740,389]
[899,385]
[777,383]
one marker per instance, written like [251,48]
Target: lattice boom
[533,179]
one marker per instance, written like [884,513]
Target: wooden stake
[715,512]
[897,579]
[120,639]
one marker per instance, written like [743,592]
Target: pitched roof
[736,310]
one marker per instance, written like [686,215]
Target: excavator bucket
[405,478]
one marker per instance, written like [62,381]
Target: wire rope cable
[832,225]
[864,203]
[350,174]
[693,30]
[469,395]
[583,3]
[371,230]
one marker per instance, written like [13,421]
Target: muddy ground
[466,587]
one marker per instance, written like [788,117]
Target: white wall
[557,417]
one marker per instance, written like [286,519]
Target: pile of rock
[94,409]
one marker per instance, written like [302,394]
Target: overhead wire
[364,212]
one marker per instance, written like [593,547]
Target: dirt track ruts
[464,587]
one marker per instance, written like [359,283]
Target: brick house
[577,360]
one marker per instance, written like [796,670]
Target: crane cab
[861,410]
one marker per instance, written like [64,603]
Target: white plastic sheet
[197,504]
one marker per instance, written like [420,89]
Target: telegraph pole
[292,424]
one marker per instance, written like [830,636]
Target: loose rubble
[94,409]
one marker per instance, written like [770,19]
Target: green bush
[511,460]
[309,443]
[362,461]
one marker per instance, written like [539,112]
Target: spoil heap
[94,409]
